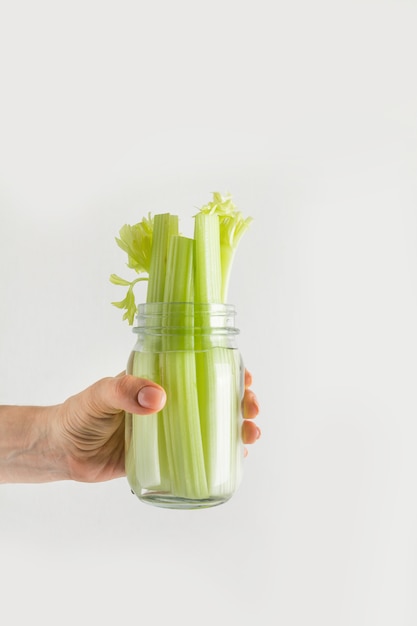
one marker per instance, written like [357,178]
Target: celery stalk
[182,426]
[165,226]
[148,436]
[179,281]
[232,226]
[146,431]
[219,375]
[216,371]
[208,271]
[181,416]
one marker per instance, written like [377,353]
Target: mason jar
[188,455]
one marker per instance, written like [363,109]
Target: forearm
[28,452]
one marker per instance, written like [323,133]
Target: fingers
[129,393]
[250,409]
[250,432]
[248,379]
[250,406]
[126,393]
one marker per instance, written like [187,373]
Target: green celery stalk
[217,376]
[219,393]
[147,451]
[148,434]
[179,376]
[232,226]
[165,226]
[208,271]
[179,280]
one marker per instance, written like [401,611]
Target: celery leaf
[136,241]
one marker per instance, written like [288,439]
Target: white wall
[306,113]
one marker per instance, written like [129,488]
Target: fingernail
[151,397]
[258,433]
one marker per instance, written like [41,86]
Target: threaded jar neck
[201,319]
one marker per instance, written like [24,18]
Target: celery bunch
[219,227]
[189,448]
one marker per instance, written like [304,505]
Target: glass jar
[189,455]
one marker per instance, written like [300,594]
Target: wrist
[29,448]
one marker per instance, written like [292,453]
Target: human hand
[90,426]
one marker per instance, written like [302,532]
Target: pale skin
[82,438]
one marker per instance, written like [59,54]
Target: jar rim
[201,317]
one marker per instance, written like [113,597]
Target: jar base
[169,501]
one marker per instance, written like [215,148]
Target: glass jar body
[189,455]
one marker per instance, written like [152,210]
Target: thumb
[127,393]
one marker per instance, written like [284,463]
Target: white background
[306,113]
